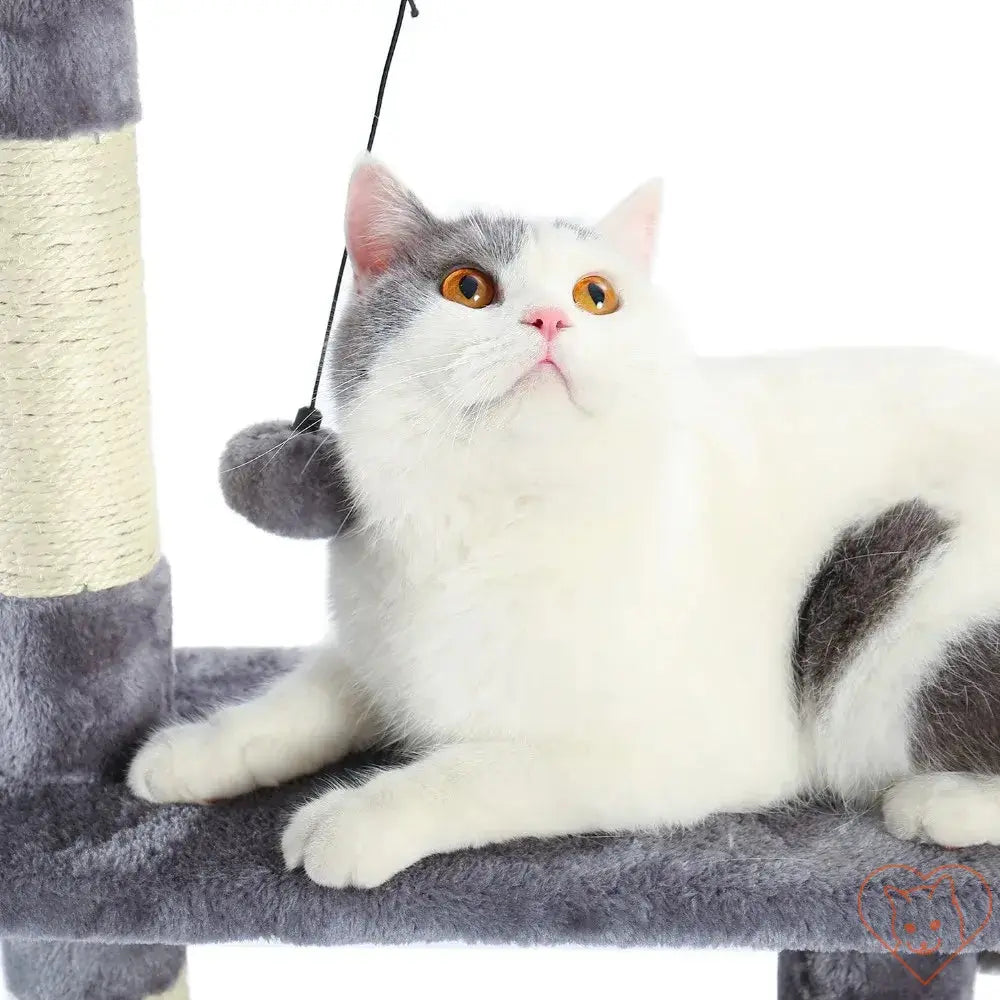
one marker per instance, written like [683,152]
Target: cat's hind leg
[950,808]
[953,799]
[309,718]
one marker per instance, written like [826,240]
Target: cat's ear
[381,215]
[945,882]
[633,223]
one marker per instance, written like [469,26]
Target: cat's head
[923,915]
[492,347]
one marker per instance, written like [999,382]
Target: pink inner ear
[634,222]
[646,233]
[369,238]
[645,219]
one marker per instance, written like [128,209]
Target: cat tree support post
[852,975]
[85,657]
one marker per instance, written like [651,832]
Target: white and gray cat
[601,584]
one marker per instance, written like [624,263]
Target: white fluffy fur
[579,601]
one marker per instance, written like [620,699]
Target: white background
[831,178]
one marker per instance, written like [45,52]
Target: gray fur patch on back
[857,585]
[389,306]
[956,714]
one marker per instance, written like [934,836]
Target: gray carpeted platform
[88,861]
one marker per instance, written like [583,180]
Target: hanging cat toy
[285,477]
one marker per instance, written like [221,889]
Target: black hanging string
[309,418]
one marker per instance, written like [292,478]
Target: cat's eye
[593,293]
[468,287]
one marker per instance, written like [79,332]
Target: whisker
[263,454]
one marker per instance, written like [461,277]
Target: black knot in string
[307,419]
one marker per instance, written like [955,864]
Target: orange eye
[910,928]
[468,287]
[593,293]
[935,925]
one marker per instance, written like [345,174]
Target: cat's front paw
[357,837]
[201,761]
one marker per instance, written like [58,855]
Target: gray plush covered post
[44,970]
[82,678]
[85,654]
[806,975]
[66,67]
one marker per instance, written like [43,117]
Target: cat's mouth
[543,369]
[925,948]
[547,365]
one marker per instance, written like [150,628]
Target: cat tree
[99,892]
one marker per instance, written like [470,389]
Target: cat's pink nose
[548,320]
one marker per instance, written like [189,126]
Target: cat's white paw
[355,837]
[197,762]
[217,758]
[954,810]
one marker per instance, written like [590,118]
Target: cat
[598,583]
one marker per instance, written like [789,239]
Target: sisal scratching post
[85,658]
[76,503]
